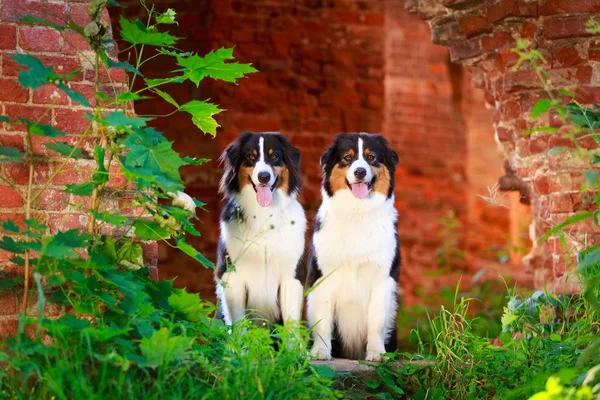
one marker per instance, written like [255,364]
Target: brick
[48,11]
[36,38]
[465,50]
[33,113]
[49,94]
[73,43]
[8,327]
[511,8]
[496,41]
[73,122]
[8,303]
[11,90]
[520,80]
[18,173]
[503,134]
[51,200]
[584,74]
[10,198]
[8,37]
[562,28]
[552,7]
[472,25]
[446,33]
[565,56]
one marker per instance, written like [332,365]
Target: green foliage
[125,336]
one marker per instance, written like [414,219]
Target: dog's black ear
[390,156]
[292,159]
[232,158]
[330,153]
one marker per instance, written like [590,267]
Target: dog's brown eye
[251,157]
[273,156]
[370,157]
[348,157]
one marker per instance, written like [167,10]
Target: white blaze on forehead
[261,165]
[359,163]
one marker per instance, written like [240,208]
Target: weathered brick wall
[53,108]
[340,66]
[480,35]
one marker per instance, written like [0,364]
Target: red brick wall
[54,108]
[340,66]
[480,35]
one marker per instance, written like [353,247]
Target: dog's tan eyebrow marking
[270,151]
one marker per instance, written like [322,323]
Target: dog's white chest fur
[355,249]
[265,248]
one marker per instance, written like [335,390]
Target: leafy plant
[101,328]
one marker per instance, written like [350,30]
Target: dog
[262,228]
[354,257]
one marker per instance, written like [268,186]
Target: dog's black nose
[264,177]
[360,173]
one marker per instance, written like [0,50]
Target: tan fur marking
[382,179]
[337,180]
[244,175]
[284,176]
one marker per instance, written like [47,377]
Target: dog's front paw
[320,353]
[376,355]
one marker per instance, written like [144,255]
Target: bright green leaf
[167,97]
[150,230]
[326,371]
[213,65]
[109,217]
[129,96]
[136,33]
[10,283]
[192,252]
[30,19]
[161,348]
[571,220]
[37,75]
[195,161]
[187,304]
[168,17]
[132,253]
[202,115]
[80,189]
[541,107]
[60,245]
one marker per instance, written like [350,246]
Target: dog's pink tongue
[360,190]
[264,196]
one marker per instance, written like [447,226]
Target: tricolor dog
[262,231]
[354,257]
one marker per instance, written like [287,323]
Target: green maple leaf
[202,115]
[41,129]
[213,65]
[80,189]
[192,252]
[131,252]
[167,97]
[60,245]
[136,33]
[64,149]
[37,75]
[161,348]
[10,154]
[109,217]
[188,305]
[119,120]
[168,17]
[10,226]
[150,230]
[153,156]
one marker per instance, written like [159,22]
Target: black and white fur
[354,257]
[260,247]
